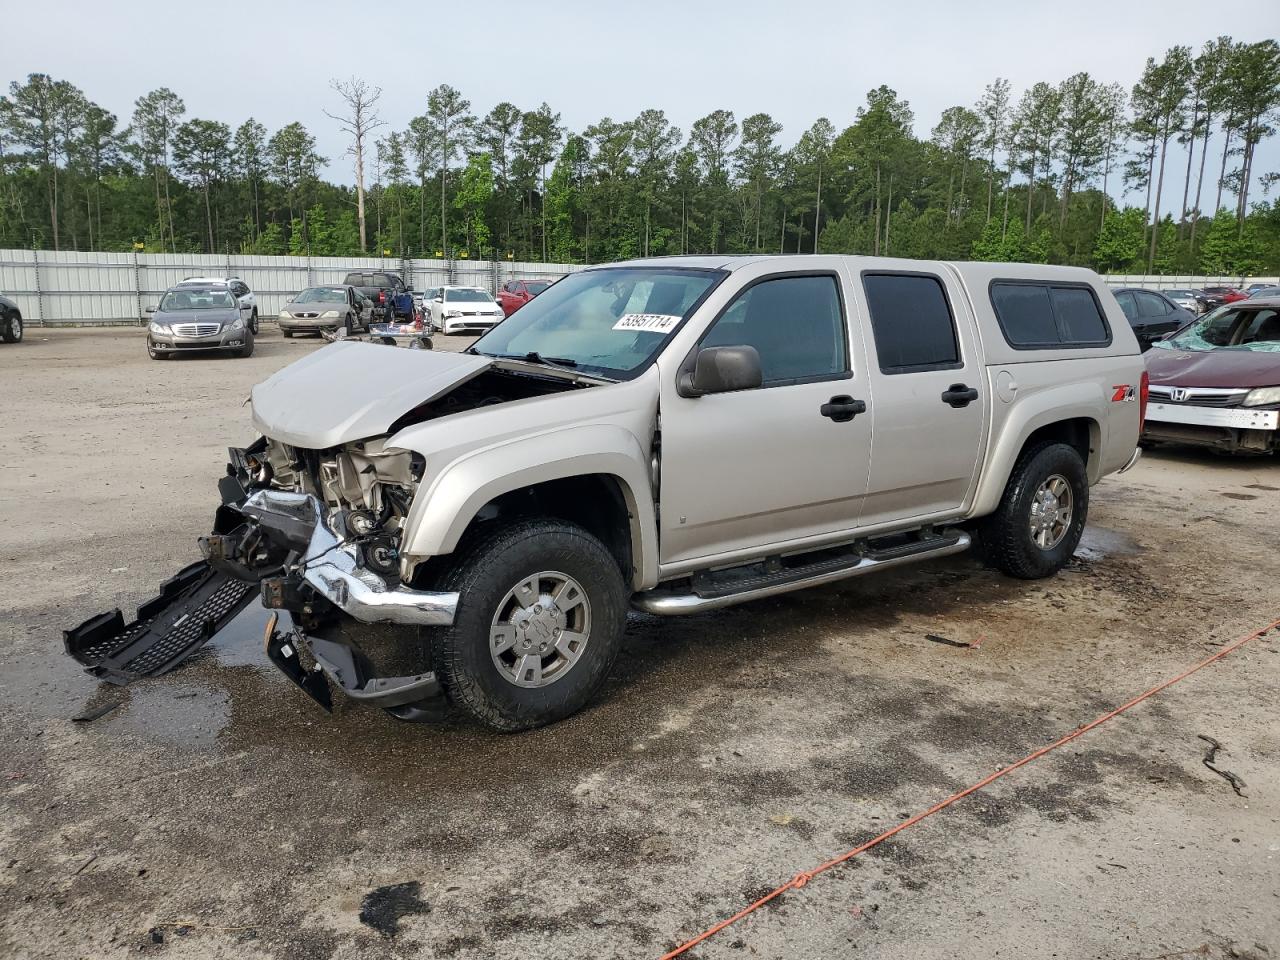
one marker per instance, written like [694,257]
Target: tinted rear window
[911,321]
[1036,315]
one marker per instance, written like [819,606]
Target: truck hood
[351,391]
[1213,368]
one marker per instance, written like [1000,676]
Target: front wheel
[539,624]
[253,322]
[287,334]
[1038,525]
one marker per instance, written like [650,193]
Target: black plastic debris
[947,640]
[192,606]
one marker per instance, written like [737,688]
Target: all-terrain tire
[485,571]
[1006,537]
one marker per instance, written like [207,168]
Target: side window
[1150,305]
[911,322]
[1127,306]
[1041,315]
[1078,315]
[796,325]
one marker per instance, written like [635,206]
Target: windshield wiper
[533,356]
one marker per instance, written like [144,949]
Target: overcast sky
[796,60]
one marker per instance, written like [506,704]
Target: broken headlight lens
[1263,397]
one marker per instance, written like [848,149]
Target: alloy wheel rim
[540,629]
[1052,509]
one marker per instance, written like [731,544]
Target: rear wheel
[11,327]
[539,624]
[1038,525]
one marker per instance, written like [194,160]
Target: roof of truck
[966,268]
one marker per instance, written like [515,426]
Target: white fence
[71,287]
[1182,281]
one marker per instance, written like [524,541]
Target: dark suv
[387,290]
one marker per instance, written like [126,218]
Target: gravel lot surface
[218,813]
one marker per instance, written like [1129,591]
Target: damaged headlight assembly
[1263,397]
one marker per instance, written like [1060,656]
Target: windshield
[611,321]
[466,296]
[535,287]
[197,300]
[1230,329]
[322,295]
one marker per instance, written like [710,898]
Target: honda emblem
[1179,394]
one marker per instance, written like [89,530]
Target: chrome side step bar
[670,603]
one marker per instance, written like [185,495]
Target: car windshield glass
[536,286]
[322,295]
[1230,329]
[611,321]
[197,300]
[466,296]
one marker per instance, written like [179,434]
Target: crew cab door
[749,471]
[927,379]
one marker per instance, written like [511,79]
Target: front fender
[450,500]
[1030,412]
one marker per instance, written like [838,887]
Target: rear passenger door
[928,396]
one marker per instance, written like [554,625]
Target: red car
[1226,294]
[516,293]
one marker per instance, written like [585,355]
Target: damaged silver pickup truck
[671,435]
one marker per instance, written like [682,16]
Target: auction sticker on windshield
[662,323]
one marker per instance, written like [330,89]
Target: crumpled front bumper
[330,565]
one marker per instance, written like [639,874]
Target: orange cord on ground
[800,879]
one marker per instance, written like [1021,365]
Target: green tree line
[1027,177]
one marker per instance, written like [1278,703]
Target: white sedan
[463,310]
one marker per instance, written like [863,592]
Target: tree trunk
[444,166]
[1155,223]
[53,202]
[817,212]
[991,176]
[888,216]
[168,207]
[360,190]
[1031,189]
[1186,183]
[542,202]
[876,241]
[1222,174]
[1106,173]
[1246,172]
[208,218]
[1204,152]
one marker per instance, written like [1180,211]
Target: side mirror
[722,370]
[152,309]
[439,299]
